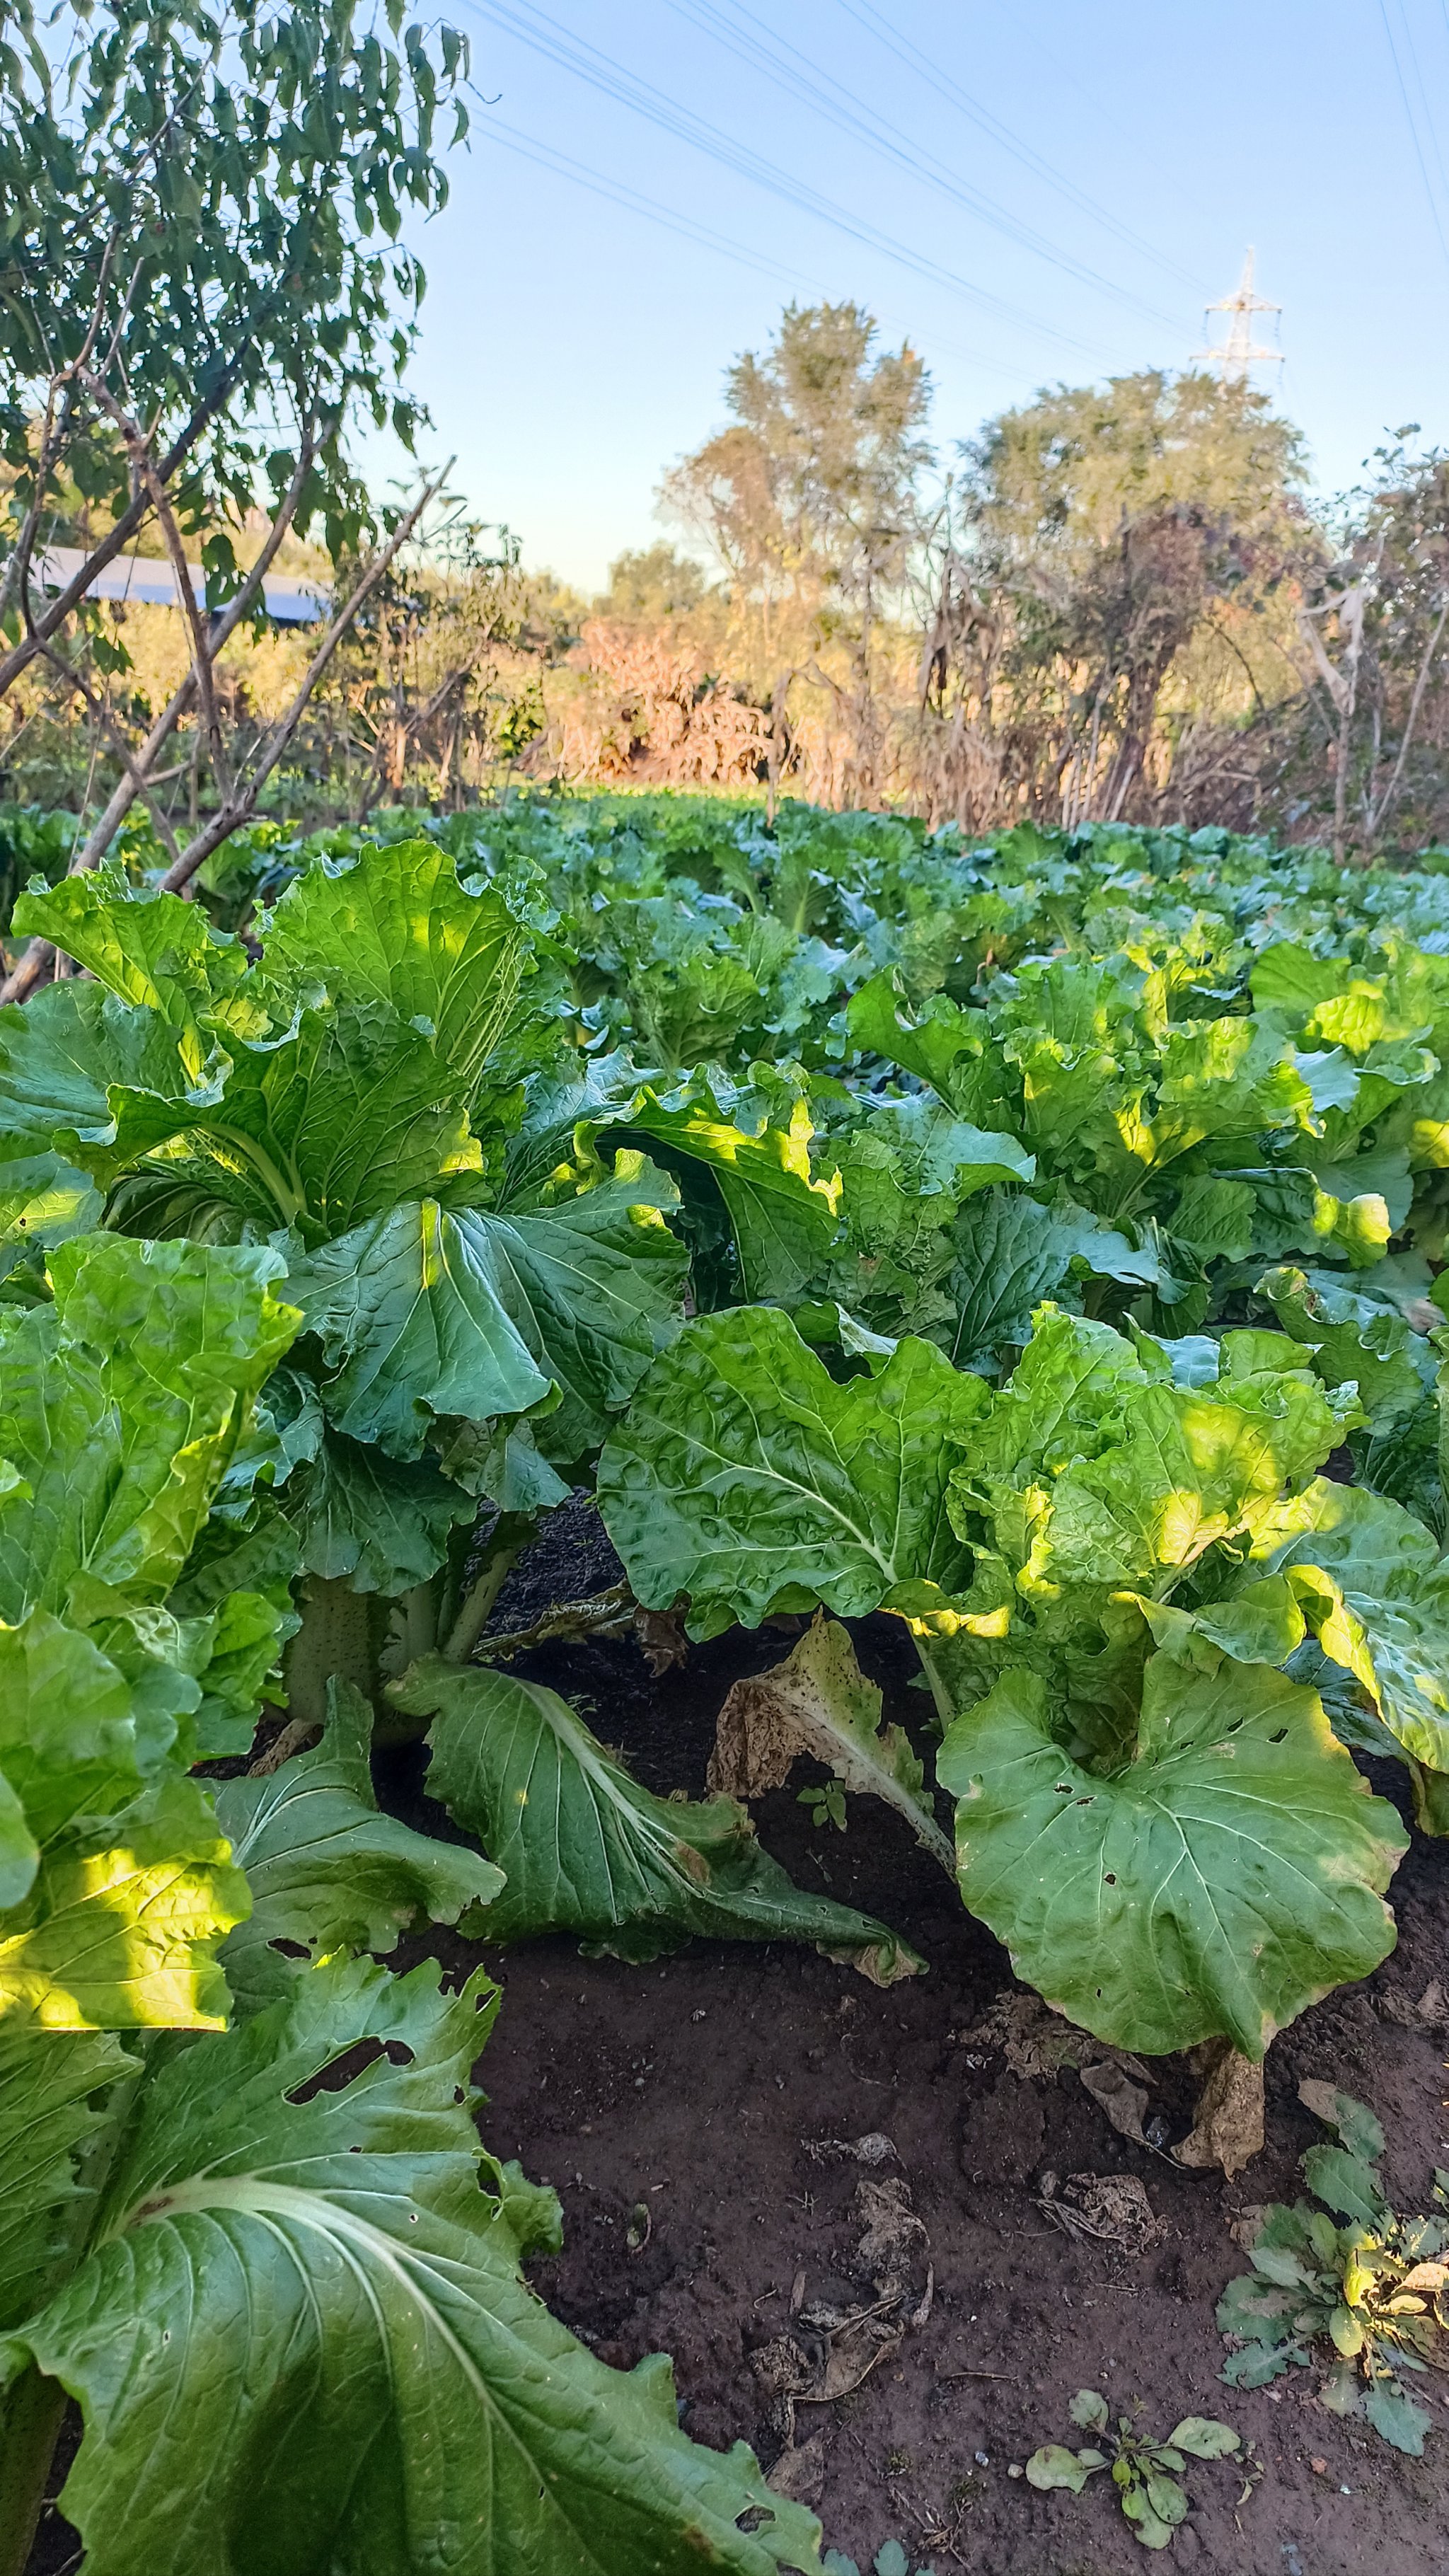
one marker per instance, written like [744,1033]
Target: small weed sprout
[1144,2473]
[826,1804]
[889,2560]
[1371,2291]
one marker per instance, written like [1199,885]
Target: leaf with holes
[302,2284]
[1227,1874]
[327,1871]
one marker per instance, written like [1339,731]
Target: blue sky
[1026,192]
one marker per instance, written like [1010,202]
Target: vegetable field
[820,1453]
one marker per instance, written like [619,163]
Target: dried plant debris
[1227,2130]
[818,1701]
[1146,2474]
[895,2243]
[1037,2042]
[875,2148]
[1349,2284]
[1430,2012]
[799,2472]
[660,1637]
[833,2344]
[1033,2039]
[1124,2102]
[1103,2209]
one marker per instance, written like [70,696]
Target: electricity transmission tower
[1235,355]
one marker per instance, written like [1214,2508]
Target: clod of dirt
[1227,2127]
[1106,2209]
[1431,2012]
[799,2472]
[875,2148]
[1123,2101]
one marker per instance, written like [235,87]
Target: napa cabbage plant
[1094,1559]
[348,1099]
[377,1112]
[249,2226]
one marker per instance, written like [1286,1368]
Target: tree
[811,500]
[651,586]
[1114,591]
[1375,625]
[202,285]
[413,699]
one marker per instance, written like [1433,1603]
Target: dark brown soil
[693,2086]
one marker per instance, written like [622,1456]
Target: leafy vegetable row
[1029,1311]
[271,2261]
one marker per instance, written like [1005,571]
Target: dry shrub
[650,710]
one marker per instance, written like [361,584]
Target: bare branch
[34,966]
[242,805]
[102,716]
[105,551]
[1376,819]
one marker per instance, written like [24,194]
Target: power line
[1413,130]
[673,219]
[531,147]
[941,83]
[543,36]
[850,115]
[1425,102]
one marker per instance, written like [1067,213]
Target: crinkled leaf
[943,1045]
[1374,1589]
[71,1748]
[314,2297]
[391,925]
[145,947]
[783,1217]
[426,1313]
[376,1523]
[1010,1254]
[1223,1879]
[341,1120]
[121,1404]
[1139,1477]
[1352,1336]
[745,1477]
[585,1849]
[99,1081]
[942,1156]
[120,1928]
[43,1201]
[49,2113]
